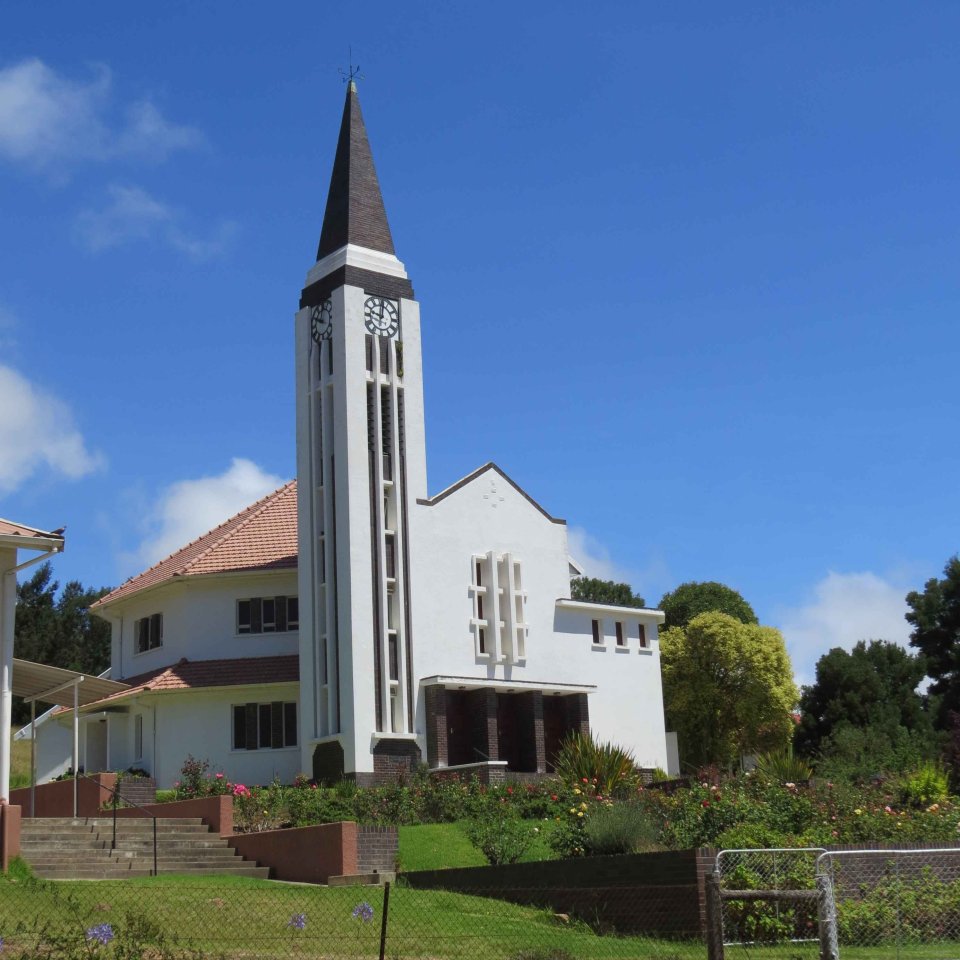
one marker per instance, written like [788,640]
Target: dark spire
[354,211]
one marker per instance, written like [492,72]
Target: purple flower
[363,912]
[102,933]
[298,921]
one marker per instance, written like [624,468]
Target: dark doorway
[459,730]
[554,728]
[516,731]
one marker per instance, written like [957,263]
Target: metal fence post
[383,920]
[826,919]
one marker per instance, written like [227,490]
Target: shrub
[500,836]
[783,767]
[609,768]
[926,785]
[620,828]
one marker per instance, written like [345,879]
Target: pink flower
[219,776]
[241,791]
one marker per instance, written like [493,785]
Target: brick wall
[377,849]
[578,713]
[394,760]
[328,762]
[436,718]
[652,893]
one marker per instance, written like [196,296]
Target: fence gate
[906,902]
[766,898]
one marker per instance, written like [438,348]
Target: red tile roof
[194,674]
[10,529]
[261,537]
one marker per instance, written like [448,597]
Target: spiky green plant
[605,767]
[783,767]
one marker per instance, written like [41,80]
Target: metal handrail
[116,796]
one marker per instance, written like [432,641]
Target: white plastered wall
[489,514]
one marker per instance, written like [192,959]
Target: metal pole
[383,919]
[33,758]
[156,873]
[76,745]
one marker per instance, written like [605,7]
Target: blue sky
[688,272]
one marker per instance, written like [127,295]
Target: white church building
[351,624]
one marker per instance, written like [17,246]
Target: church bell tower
[361,465]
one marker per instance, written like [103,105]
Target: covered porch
[494,728]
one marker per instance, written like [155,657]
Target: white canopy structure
[65,688]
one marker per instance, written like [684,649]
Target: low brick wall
[216,812]
[303,854]
[9,835]
[377,849]
[654,893]
[56,799]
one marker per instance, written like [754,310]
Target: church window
[148,632]
[597,634]
[642,630]
[369,352]
[385,358]
[621,639]
[264,726]
[268,615]
[391,556]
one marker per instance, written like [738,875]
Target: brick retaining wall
[377,849]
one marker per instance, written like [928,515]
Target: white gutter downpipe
[8,611]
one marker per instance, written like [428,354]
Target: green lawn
[241,918]
[439,846]
[19,763]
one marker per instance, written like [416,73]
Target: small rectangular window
[138,737]
[385,356]
[243,616]
[479,573]
[264,725]
[269,607]
[293,613]
[621,639]
[642,630]
[394,660]
[391,557]
[597,635]
[148,632]
[368,345]
[483,640]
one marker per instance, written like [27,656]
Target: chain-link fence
[904,903]
[175,918]
[764,899]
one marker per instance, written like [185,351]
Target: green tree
[727,687]
[873,685]
[691,599]
[935,616]
[604,591]
[56,627]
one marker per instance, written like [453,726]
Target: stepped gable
[261,537]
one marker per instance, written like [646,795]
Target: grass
[19,763]
[440,846]
[242,918]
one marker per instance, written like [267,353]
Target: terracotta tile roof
[261,537]
[194,674]
[10,529]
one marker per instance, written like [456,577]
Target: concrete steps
[61,848]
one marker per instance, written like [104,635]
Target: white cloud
[648,581]
[49,121]
[842,609]
[37,430]
[133,214]
[189,508]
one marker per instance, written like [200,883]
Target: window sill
[598,646]
[645,651]
[143,653]
[263,750]
[622,649]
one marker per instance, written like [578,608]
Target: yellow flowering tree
[728,688]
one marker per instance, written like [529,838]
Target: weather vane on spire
[353,74]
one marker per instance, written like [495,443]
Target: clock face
[321,321]
[381,317]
